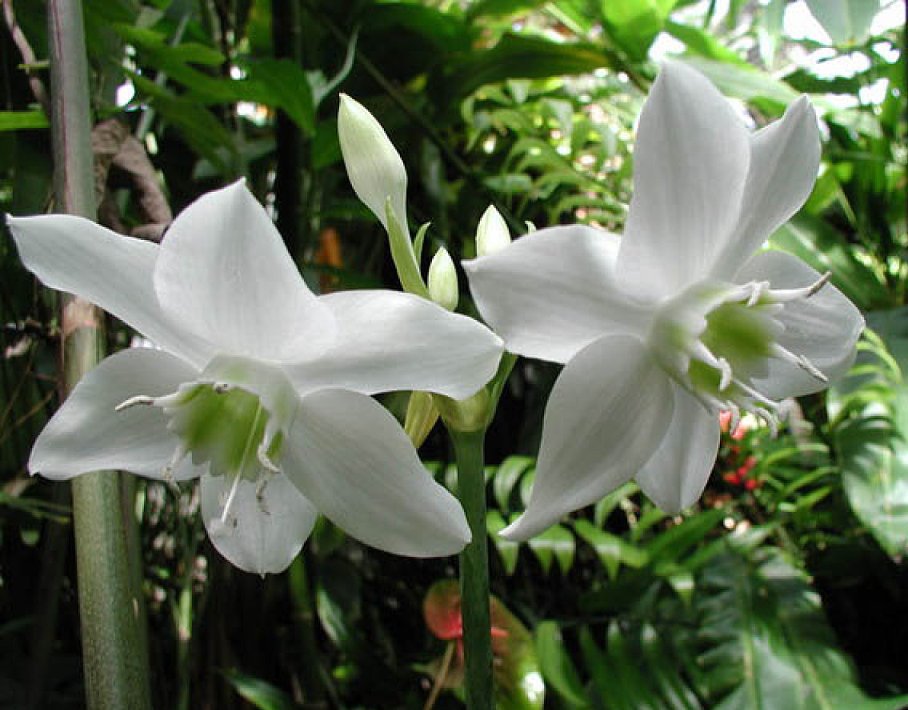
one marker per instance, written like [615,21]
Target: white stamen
[725,374]
[135,401]
[230,497]
[799,361]
[262,455]
[760,288]
[784,295]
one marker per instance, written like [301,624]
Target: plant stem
[114,659]
[474,570]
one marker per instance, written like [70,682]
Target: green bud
[442,281]
[421,417]
[492,233]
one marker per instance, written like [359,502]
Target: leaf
[874,449]
[557,667]
[515,57]
[611,549]
[847,22]
[507,476]
[261,694]
[18,120]
[556,542]
[507,549]
[286,86]
[744,82]
[765,641]
[634,24]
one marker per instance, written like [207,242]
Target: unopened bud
[442,281]
[421,417]
[492,234]
[374,166]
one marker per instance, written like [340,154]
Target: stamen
[167,472]
[725,374]
[784,295]
[230,497]
[134,401]
[260,487]
[760,288]
[221,387]
[799,361]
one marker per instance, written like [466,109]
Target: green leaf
[765,641]
[507,477]
[611,549]
[743,81]
[516,57]
[555,543]
[286,86]
[261,694]
[847,22]
[874,449]
[507,549]
[634,24]
[557,667]
[18,120]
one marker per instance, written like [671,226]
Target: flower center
[715,338]
[232,418]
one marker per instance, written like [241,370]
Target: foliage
[786,587]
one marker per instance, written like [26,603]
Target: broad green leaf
[286,86]
[703,43]
[744,82]
[634,24]
[557,667]
[672,544]
[516,57]
[847,22]
[765,642]
[874,450]
[17,120]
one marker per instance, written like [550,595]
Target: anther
[221,387]
[725,374]
[135,401]
[783,295]
[799,361]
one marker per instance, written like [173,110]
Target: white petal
[388,340]
[265,527]
[690,164]
[552,292]
[112,271]
[823,328]
[224,272]
[677,473]
[784,161]
[605,417]
[351,458]
[88,434]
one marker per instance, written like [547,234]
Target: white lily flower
[261,388]
[677,320]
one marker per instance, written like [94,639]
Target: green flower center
[714,339]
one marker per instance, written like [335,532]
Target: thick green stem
[474,570]
[114,657]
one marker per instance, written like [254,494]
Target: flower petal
[784,161]
[690,165]
[553,292]
[351,458]
[265,528]
[224,272]
[88,434]
[76,255]
[388,340]
[605,417]
[676,474]
[824,328]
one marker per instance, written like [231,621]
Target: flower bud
[492,233]
[442,281]
[421,417]
[374,166]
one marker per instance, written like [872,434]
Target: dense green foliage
[786,587]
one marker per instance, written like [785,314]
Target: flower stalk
[474,569]
[114,656]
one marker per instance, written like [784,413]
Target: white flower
[679,319]
[261,388]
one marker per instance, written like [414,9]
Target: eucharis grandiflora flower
[259,387]
[679,319]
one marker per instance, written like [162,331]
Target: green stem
[114,657]
[474,570]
